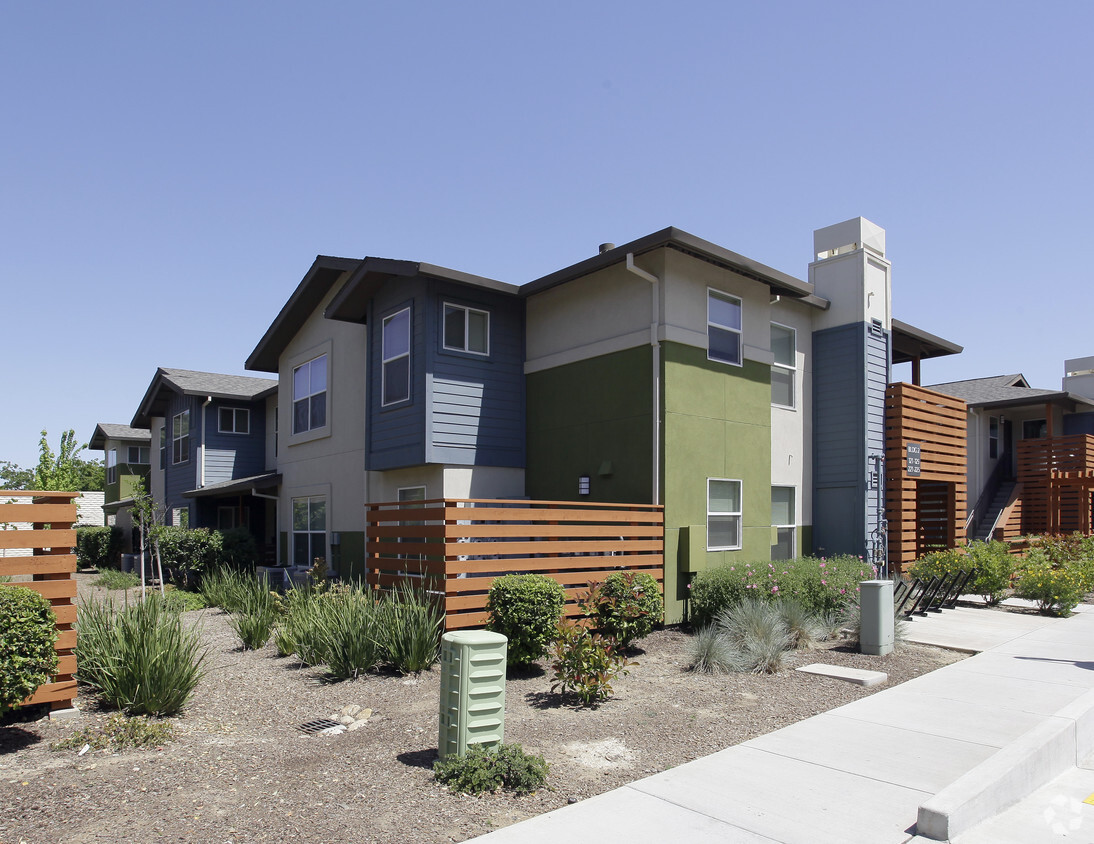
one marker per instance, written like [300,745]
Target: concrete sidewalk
[948,749]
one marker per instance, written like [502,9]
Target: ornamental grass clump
[255,617]
[140,659]
[28,633]
[412,623]
[348,636]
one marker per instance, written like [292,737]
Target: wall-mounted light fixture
[583,485]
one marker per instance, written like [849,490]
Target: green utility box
[472,709]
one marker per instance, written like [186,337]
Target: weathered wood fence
[41,523]
[455,548]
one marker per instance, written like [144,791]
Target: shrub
[189,550]
[140,659]
[238,549]
[585,663]
[821,585]
[525,608]
[630,605]
[98,547]
[505,768]
[27,635]
[412,624]
[120,733]
[1056,587]
[992,561]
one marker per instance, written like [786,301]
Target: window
[723,515]
[180,517]
[993,437]
[309,395]
[723,327]
[1034,429]
[309,530]
[466,329]
[782,520]
[180,437]
[139,455]
[163,447]
[396,357]
[112,466]
[235,420]
[233,517]
[784,370]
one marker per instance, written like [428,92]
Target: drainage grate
[318,725]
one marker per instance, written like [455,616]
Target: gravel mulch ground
[240,770]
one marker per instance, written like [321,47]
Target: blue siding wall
[476,414]
[178,478]
[878,370]
[231,456]
[464,409]
[1078,423]
[850,373]
[396,434]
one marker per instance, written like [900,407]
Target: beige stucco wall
[330,461]
[792,430]
[444,481]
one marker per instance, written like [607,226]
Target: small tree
[63,471]
[148,516]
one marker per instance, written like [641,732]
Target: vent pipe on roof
[606,247]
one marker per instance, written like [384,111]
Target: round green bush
[28,633]
[526,609]
[632,607]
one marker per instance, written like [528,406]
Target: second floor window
[396,357]
[723,327]
[723,514]
[309,395]
[180,437]
[466,329]
[235,420]
[138,455]
[112,466]
[163,447]
[784,368]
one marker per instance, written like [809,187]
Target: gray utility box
[472,707]
[877,632]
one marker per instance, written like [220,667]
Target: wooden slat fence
[42,523]
[1056,474]
[456,547]
[928,511]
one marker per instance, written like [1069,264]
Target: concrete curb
[1012,773]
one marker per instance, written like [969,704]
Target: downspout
[655,343]
[208,401]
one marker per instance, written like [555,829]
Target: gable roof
[351,302]
[689,244]
[190,383]
[108,431]
[315,284]
[1006,391]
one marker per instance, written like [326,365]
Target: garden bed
[241,770]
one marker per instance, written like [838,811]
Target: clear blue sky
[168,172]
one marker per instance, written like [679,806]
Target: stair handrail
[1008,509]
[991,487]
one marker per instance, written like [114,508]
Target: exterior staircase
[991,514]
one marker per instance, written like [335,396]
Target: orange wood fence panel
[927,511]
[1055,473]
[455,548]
[39,525]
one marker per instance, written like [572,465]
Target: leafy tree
[64,470]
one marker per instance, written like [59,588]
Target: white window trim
[326,528]
[385,361]
[738,331]
[739,514]
[175,439]
[792,527]
[235,419]
[792,369]
[467,310]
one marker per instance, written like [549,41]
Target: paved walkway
[962,742]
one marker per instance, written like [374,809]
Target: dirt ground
[241,770]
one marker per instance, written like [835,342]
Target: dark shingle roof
[1003,391]
[188,382]
[109,431]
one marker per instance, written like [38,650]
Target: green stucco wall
[716,424]
[584,415]
[349,556]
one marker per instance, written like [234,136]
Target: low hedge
[99,547]
[526,608]
[28,633]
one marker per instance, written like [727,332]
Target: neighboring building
[212,465]
[1007,419]
[398,380]
[127,460]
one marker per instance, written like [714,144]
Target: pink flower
[774,589]
[823,583]
[822,565]
[841,591]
